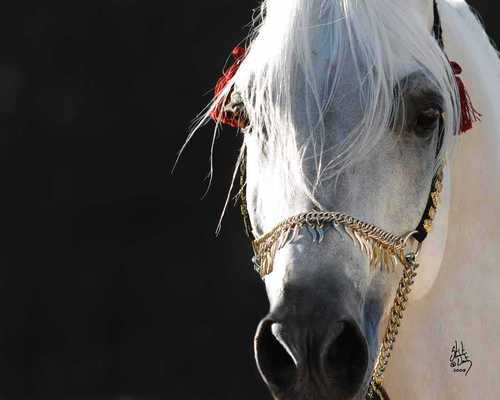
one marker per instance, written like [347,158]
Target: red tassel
[219,113]
[469,114]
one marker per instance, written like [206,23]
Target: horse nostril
[311,356]
[276,364]
[346,360]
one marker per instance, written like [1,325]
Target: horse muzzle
[312,349]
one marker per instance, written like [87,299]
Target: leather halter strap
[425,223]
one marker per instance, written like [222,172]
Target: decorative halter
[383,249]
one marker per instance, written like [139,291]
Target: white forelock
[281,81]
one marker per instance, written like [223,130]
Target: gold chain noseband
[383,248]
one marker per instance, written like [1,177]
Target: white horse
[346,100]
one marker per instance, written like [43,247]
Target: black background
[112,281]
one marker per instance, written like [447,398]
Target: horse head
[351,108]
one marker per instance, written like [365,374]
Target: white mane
[280,82]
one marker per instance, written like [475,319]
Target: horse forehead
[325,64]
[339,86]
[420,13]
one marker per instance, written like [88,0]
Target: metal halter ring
[406,243]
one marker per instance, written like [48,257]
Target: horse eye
[427,121]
